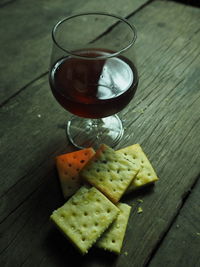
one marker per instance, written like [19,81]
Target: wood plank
[26,43]
[181,247]
[168,61]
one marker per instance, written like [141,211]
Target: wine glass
[91,75]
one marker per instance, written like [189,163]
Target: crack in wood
[21,203]
[23,88]
[184,199]
[7,3]
[190,130]
[115,24]
[31,171]
[13,237]
[185,57]
[26,198]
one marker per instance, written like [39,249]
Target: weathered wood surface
[26,36]
[164,118]
[181,245]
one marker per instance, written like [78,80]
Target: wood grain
[181,246]
[26,36]
[164,118]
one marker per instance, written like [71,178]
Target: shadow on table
[189,2]
[138,193]
[64,254]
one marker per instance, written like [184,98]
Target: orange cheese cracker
[69,166]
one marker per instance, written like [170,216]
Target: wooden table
[164,118]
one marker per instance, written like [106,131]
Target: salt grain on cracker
[84,217]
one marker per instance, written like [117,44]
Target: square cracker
[146,174]
[69,166]
[113,237]
[84,217]
[110,172]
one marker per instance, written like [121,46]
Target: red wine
[94,88]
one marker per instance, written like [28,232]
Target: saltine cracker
[84,217]
[110,172]
[146,174]
[112,239]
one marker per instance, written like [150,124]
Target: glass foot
[85,133]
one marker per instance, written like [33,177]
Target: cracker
[69,166]
[84,217]
[146,174]
[110,172]
[113,237]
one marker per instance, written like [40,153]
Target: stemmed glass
[91,75]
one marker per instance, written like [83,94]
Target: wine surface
[93,88]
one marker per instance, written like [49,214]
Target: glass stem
[96,127]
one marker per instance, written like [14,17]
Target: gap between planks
[7,3]
[23,88]
[185,197]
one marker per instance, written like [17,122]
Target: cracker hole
[83,238]
[85,153]
[96,224]
[125,154]
[82,161]
[98,200]
[118,171]
[74,157]
[69,165]
[113,241]
[73,178]
[85,213]
[108,210]
[74,214]
[104,161]
[121,179]
[62,215]
[149,174]
[78,169]
[66,173]
[84,225]
[97,170]
[108,170]
[72,227]
[114,189]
